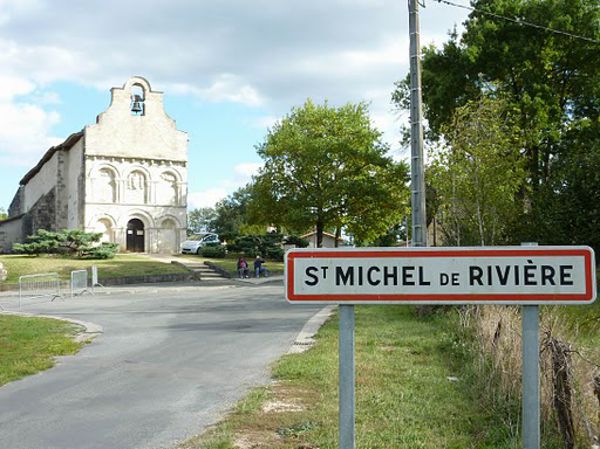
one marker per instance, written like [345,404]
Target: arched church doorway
[135,235]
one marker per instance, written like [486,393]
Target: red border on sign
[450,297]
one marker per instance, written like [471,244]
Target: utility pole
[417,177]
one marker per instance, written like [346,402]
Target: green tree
[476,176]
[550,81]
[3,214]
[231,215]
[201,220]
[572,215]
[327,168]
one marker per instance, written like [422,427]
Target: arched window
[137,187]
[104,187]
[167,189]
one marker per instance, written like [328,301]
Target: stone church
[124,176]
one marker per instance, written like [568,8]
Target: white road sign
[478,275]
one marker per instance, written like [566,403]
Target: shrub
[68,241]
[104,251]
[247,245]
[296,241]
[42,242]
[267,245]
[274,253]
[214,251]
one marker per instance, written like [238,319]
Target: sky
[229,70]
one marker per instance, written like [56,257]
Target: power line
[520,22]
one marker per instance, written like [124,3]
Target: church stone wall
[16,205]
[11,231]
[136,168]
[121,189]
[74,177]
[41,183]
[42,215]
[119,133]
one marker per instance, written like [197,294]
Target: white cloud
[246,170]
[43,63]
[226,87]
[206,198]
[254,53]
[265,122]
[12,86]
[11,8]
[242,175]
[25,128]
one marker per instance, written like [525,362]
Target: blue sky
[229,69]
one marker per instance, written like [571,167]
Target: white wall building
[124,176]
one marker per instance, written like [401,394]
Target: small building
[328,240]
[124,176]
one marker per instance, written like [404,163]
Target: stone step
[207,272]
[196,265]
[204,271]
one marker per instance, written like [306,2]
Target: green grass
[403,396]
[582,322]
[122,265]
[29,345]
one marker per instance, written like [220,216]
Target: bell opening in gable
[138,98]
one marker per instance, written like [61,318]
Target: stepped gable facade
[124,176]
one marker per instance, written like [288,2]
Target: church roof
[66,145]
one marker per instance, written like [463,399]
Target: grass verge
[29,345]
[582,322]
[413,390]
[122,265]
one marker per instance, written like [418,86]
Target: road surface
[170,362]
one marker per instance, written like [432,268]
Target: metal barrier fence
[79,282]
[39,285]
[95,278]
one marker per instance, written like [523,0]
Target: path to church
[168,364]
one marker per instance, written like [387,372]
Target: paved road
[169,363]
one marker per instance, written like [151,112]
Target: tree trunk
[338,235]
[320,226]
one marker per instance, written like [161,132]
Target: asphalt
[171,360]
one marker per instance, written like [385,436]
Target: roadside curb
[276,279]
[138,288]
[305,338]
[89,332]
[154,288]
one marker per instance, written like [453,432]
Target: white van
[194,243]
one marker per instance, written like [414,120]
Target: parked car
[194,243]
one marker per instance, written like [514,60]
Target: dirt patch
[282,420]
[256,440]
[281,406]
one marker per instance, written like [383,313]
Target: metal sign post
[346,380]
[525,275]
[530,371]
[531,377]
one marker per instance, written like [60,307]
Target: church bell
[136,106]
